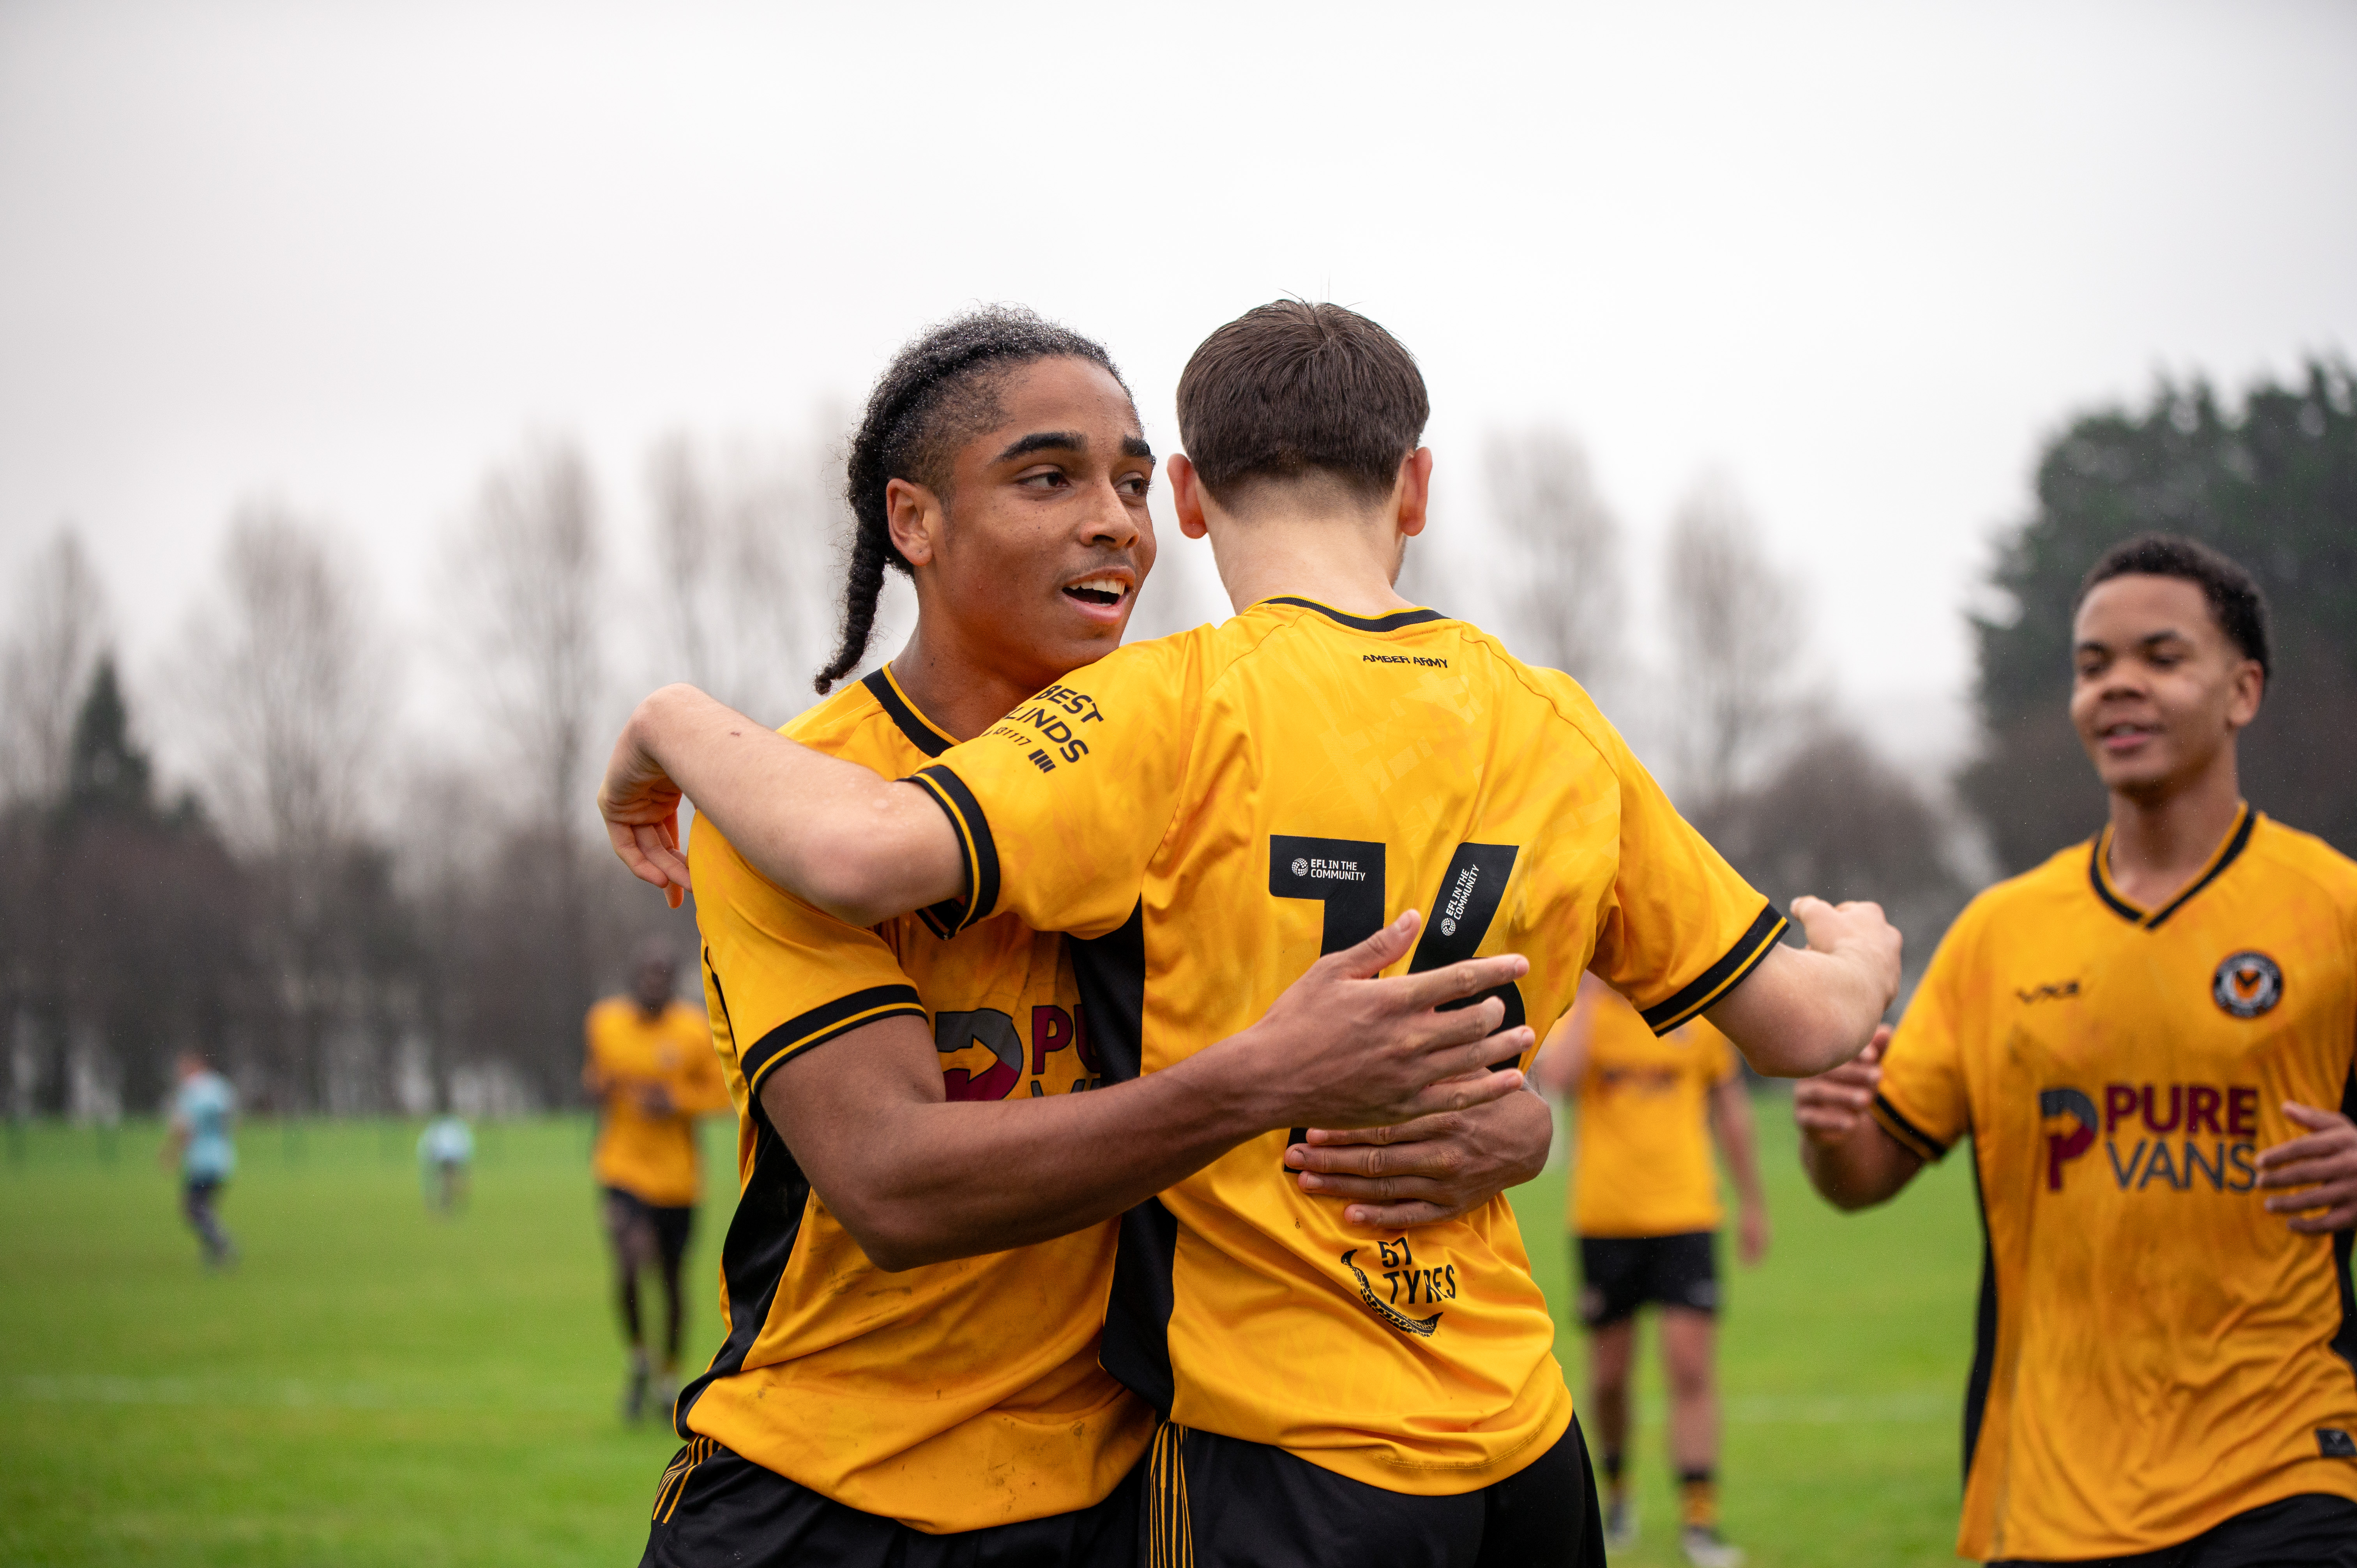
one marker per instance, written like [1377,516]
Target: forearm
[930,1182]
[1866,1167]
[1802,1012]
[838,835]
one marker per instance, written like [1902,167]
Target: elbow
[850,878]
[895,1237]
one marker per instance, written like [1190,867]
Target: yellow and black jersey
[1213,810]
[2157,1352]
[1642,1164]
[951,1396]
[634,1061]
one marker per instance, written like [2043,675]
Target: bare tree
[46,667]
[1562,548]
[1734,624]
[292,681]
[743,546]
[534,555]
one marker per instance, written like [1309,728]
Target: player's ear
[1414,490]
[913,516]
[2249,688]
[1186,494]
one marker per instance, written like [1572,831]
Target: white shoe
[1704,1549]
[1620,1524]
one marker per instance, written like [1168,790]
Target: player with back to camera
[2143,1037]
[915,1276]
[1644,1212]
[204,1109]
[1208,812]
[649,1066]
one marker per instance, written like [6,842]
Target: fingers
[1374,1189]
[1422,1158]
[1464,1063]
[2309,1116]
[2331,1219]
[1378,952]
[659,842]
[1454,982]
[1389,1219]
[1398,1133]
[1465,1092]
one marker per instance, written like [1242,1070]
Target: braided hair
[939,390]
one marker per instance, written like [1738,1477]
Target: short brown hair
[2235,601]
[1290,389]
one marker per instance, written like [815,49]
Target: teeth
[1112,586]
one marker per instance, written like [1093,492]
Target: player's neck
[957,686]
[1347,562]
[2163,837]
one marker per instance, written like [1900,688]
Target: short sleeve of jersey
[1060,805]
[782,976]
[1681,927]
[1922,1102]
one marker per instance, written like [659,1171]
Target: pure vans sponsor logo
[1416,658]
[2170,1134]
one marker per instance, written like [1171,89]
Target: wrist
[1231,1089]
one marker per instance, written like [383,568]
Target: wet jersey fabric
[2157,1352]
[1642,1163]
[1207,813]
[651,1154]
[953,1396]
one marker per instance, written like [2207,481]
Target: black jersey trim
[760,1245]
[1910,1137]
[2236,841]
[903,712]
[822,1024]
[1391,622]
[975,846]
[1985,1330]
[1720,977]
[2235,844]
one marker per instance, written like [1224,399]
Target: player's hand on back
[1343,1047]
[1434,1168]
[1830,1106]
[641,805]
[2323,1161]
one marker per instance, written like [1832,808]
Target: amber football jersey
[1642,1163]
[2157,1352]
[1213,810]
[951,1396]
[651,1154]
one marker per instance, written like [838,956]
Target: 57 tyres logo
[1400,1273]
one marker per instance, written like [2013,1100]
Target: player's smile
[1103,594]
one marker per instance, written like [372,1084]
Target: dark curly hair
[938,391]
[2235,601]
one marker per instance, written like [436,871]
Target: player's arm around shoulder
[854,844]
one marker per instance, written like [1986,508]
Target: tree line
[346,928]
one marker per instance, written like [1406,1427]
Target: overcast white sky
[1858,258]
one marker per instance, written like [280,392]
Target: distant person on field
[652,1069]
[1644,1216]
[2149,1039]
[203,1110]
[446,1158]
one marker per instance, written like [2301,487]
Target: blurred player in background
[652,1070]
[2144,1038]
[445,1158]
[1645,1212]
[204,1109]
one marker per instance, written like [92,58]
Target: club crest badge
[2247,984]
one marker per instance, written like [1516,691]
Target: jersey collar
[2099,872]
[1391,622]
[923,734]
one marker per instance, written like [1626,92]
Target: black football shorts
[1618,1275]
[2311,1530]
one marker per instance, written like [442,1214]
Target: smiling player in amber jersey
[915,1276]
[2143,1037]
[1217,809]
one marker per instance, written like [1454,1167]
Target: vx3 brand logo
[2054,992]
[2247,984]
[2229,1113]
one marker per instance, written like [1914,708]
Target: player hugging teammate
[1219,825]
[2146,1038]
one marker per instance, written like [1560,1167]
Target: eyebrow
[1069,441]
[2168,634]
[1137,446]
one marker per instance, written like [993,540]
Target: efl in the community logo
[2247,984]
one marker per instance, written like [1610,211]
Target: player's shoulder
[2286,851]
[2056,882]
[871,722]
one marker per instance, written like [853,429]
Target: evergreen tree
[107,774]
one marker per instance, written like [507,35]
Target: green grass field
[375,1386]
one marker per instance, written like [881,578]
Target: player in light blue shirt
[445,1152]
[203,1110]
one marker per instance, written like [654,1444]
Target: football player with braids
[2149,1039]
[916,1277]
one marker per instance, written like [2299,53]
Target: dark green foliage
[109,776]
[2274,485]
